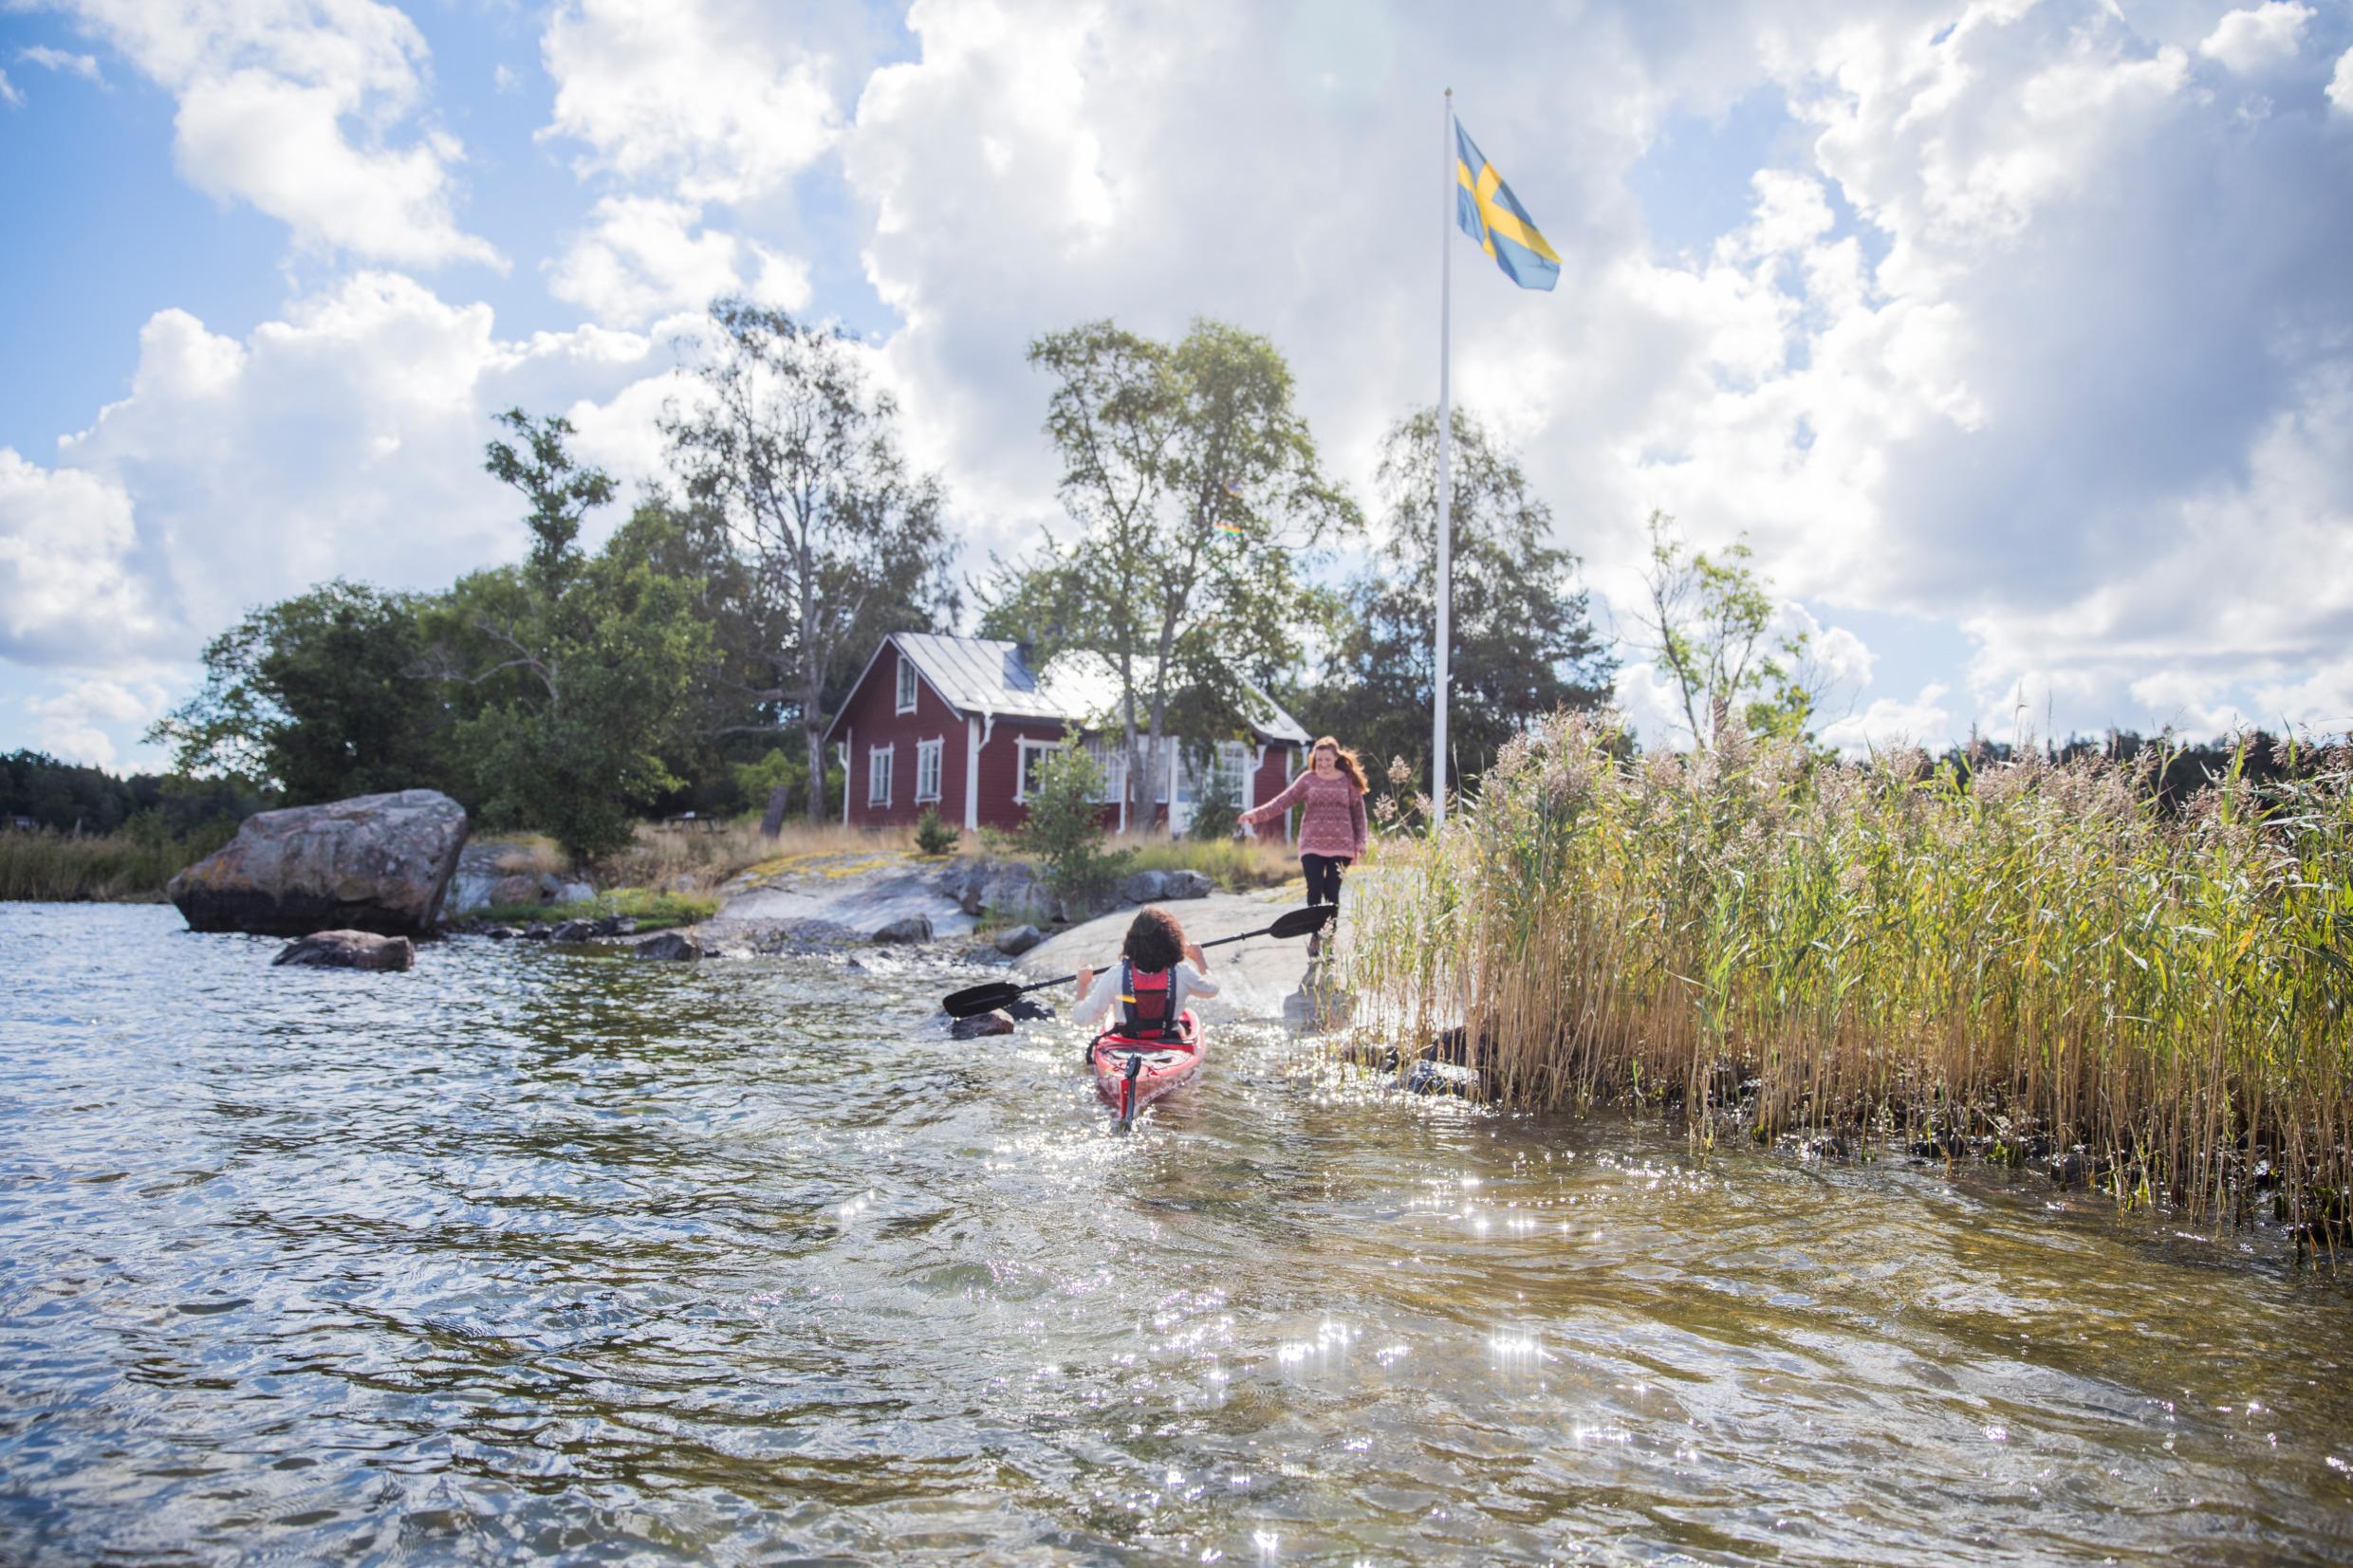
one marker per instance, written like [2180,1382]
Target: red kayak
[1131,1073]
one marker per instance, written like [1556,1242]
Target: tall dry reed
[2034,960]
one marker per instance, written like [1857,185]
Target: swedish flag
[1491,214]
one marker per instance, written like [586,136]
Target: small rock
[916,928]
[674,946]
[502,933]
[576,930]
[1142,887]
[1030,1006]
[1186,884]
[999,1023]
[1013,943]
[538,931]
[348,950]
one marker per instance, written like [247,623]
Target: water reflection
[529,1253]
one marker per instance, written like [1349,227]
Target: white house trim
[937,745]
[881,765]
[1021,762]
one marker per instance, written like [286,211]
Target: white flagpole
[1445,489]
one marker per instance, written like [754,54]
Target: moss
[651,910]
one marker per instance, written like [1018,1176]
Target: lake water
[532,1254]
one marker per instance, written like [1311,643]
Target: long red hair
[1350,762]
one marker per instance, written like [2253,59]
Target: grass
[125,868]
[1234,865]
[652,910]
[697,860]
[2036,962]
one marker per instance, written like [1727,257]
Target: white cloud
[344,438]
[645,258]
[2341,84]
[72,724]
[8,95]
[1890,722]
[720,101]
[68,573]
[2261,38]
[82,66]
[291,108]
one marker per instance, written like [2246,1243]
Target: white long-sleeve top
[1186,985]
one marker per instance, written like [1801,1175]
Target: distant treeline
[2170,769]
[37,791]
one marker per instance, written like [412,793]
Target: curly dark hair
[1155,941]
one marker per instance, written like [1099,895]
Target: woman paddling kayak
[1331,822]
[1155,1045]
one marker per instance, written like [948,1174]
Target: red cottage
[959,724]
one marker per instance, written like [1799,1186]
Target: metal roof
[979,675]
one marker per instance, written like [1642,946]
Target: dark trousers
[1324,878]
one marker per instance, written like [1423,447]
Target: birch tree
[845,541]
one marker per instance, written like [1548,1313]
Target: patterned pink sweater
[1331,816]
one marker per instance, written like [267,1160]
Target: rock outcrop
[1007,886]
[349,949]
[1018,940]
[672,946]
[378,863]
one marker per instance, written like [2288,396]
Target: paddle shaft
[1041,984]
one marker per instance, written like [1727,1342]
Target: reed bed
[2034,963]
[92,867]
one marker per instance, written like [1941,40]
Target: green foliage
[319,697]
[1199,504]
[1064,829]
[1217,814]
[561,493]
[1521,641]
[842,542]
[932,835]
[1710,631]
[651,910]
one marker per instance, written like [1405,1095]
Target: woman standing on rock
[1330,795]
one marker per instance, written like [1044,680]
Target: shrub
[932,835]
[1215,813]
[1065,830]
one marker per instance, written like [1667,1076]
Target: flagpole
[1446,487]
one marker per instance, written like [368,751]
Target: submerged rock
[375,863]
[1030,1006]
[671,946]
[348,950]
[998,1022]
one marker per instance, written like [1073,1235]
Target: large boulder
[1142,887]
[1020,939]
[675,947]
[348,950]
[376,863]
[1004,887]
[1186,884]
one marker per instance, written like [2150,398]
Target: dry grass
[123,868]
[698,859]
[1236,865]
[2035,964]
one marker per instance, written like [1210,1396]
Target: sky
[2016,339]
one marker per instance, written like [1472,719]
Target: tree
[1710,631]
[1199,496]
[319,696]
[844,541]
[560,492]
[570,676]
[1521,642]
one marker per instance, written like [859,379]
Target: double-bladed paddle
[973,1002]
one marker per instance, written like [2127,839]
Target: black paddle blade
[977,999]
[1303,922]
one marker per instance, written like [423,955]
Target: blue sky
[2014,337]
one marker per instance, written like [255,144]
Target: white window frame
[1233,758]
[927,767]
[906,684]
[881,764]
[1021,762]
[1110,754]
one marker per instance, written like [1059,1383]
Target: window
[1110,754]
[927,770]
[906,684]
[878,774]
[1234,770]
[1032,752]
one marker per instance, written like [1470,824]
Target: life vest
[1146,1010]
